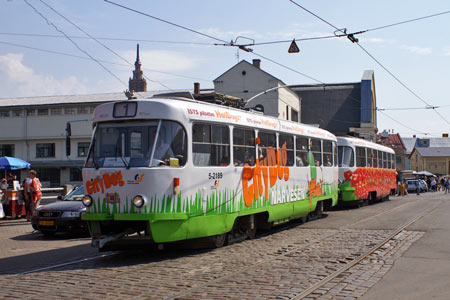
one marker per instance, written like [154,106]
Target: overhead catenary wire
[353,40]
[74,43]
[100,43]
[101,60]
[165,21]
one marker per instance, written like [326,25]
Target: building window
[49,177]
[4,113]
[83,148]
[294,115]
[31,112]
[75,174]
[7,150]
[91,109]
[83,110]
[69,111]
[398,160]
[42,112]
[17,113]
[45,150]
[56,111]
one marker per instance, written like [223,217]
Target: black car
[62,216]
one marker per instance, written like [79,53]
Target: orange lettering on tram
[264,175]
[106,181]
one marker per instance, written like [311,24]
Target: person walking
[35,189]
[26,185]
[446,185]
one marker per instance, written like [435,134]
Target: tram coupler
[100,242]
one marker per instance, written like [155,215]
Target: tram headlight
[87,200]
[139,201]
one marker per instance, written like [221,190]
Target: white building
[245,80]
[33,129]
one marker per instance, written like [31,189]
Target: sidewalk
[423,272]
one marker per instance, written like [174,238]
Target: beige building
[432,159]
[245,80]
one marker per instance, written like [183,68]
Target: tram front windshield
[138,144]
[346,156]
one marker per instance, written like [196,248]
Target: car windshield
[75,195]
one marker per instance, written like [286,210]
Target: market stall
[13,205]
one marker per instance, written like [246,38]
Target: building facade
[343,109]
[394,141]
[245,80]
[33,129]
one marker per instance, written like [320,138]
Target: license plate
[47,223]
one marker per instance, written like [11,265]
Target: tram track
[358,260]
[265,262]
[304,246]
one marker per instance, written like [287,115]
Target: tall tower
[138,83]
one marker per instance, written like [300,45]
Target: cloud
[377,40]
[417,50]
[231,35]
[447,51]
[19,80]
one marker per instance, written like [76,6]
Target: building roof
[70,99]
[433,151]
[393,141]
[409,144]
[246,62]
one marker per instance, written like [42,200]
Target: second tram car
[366,171]
[163,170]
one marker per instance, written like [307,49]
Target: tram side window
[375,159]
[301,154]
[360,157]
[370,158]
[384,160]
[316,149]
[327,153]
[267,144]
[211,145]
[335,154]
[346,156]
[393,161]
[286,142]
[244,150]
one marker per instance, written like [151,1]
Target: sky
[42,52]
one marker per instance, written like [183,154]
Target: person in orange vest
[35,189]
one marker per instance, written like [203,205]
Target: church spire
[138,83]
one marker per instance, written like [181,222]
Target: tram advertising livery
[163,170]
[366,171]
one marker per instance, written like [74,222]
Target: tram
[162,170]
[366,171]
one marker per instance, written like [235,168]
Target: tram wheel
[250,233]
[219,240]
[304,219]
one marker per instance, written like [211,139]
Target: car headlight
[138,201]
[70,214]
[87,200]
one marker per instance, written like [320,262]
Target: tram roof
[363,143]
[186,110]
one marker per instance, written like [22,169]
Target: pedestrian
[35,189]
[405,184]
[417,187]
[433,185]
[446,185]
[26,185]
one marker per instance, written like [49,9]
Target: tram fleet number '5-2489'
[214,176]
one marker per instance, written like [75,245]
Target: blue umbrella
[13,163]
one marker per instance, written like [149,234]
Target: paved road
[415,265]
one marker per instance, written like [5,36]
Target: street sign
[293,48]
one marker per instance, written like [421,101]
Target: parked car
[61,216]
[412,183]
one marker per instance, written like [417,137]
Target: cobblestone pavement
[277,266]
